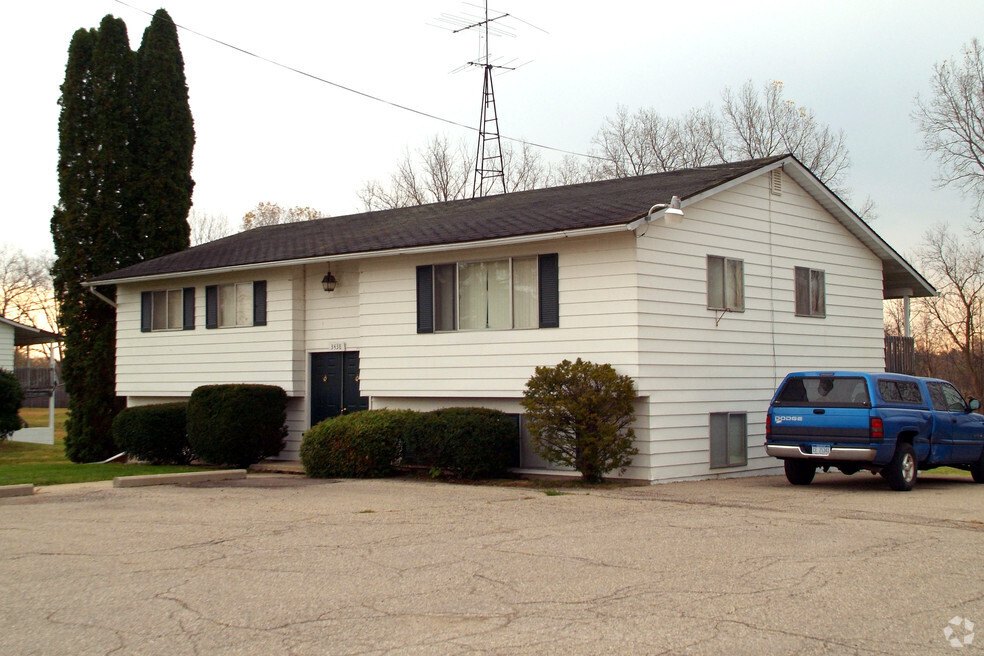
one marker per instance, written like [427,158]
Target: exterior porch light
[328,282]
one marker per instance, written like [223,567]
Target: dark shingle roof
[588,205]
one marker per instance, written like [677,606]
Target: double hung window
[810,293]
[167,309]
[725,283]
[235,304]
[502,294]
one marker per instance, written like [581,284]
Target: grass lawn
[947,470]
[43,464]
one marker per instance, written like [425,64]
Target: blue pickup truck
[889,424]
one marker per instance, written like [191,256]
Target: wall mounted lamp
[673,214]
[329,282]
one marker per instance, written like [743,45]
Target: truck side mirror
[974,405]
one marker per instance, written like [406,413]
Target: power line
[350,89]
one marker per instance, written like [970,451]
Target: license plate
[820,450]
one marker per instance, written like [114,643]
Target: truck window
[900,391]
[946,398]
[824,391]
[954,399]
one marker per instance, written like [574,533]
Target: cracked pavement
[278,564]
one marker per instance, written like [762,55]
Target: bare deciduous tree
[752,123]
[956,267]
[572,170]
[207,227]
[265,214]
[442,171]
[25,287]
[26,292]
[952,122]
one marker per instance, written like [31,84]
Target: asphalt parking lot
[279,564]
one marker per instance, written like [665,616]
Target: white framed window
[236,304]
[725,283]
[502,294]
[167,309]
[810,293]
[729,439]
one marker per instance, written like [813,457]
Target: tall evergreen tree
[107,211]
[163,142]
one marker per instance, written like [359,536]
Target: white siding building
[6,345]
[13,335]
[456,304]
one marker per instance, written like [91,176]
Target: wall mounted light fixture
[673,213]
[329,282]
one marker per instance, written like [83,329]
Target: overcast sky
[265,133]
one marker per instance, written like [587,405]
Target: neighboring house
[455,304]
[34,381]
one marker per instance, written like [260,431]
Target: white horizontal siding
[638,303]
[334,317]
[695,361]
[6,347]
[598,311]
[174,363]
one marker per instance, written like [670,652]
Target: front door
[335,385]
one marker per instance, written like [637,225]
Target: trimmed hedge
[155,433]
[469,443]
[237,424]
[360,445]
[11,397]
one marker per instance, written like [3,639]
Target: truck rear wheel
[901,472]
[799,472]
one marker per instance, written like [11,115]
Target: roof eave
[899,278]
[25,335]
[415,250]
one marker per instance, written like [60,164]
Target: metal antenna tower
[489,167]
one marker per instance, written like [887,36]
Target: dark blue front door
[335,385]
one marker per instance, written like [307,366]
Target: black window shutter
[146,311]
[212,306]
[549,294]
[425,299]
[259,303]
[189,309]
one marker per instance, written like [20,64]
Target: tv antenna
[489,166]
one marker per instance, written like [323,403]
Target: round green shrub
[11,397]
[360,445]
[237,424]
[155,433]
[579,414]
[470,443]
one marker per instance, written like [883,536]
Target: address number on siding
[336,346]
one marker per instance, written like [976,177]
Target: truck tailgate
[831,425]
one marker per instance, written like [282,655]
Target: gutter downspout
[102,297]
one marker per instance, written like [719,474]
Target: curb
[174,479]
[23,490]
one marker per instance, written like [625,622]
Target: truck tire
[799,472]
[901,472]
[977,470]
